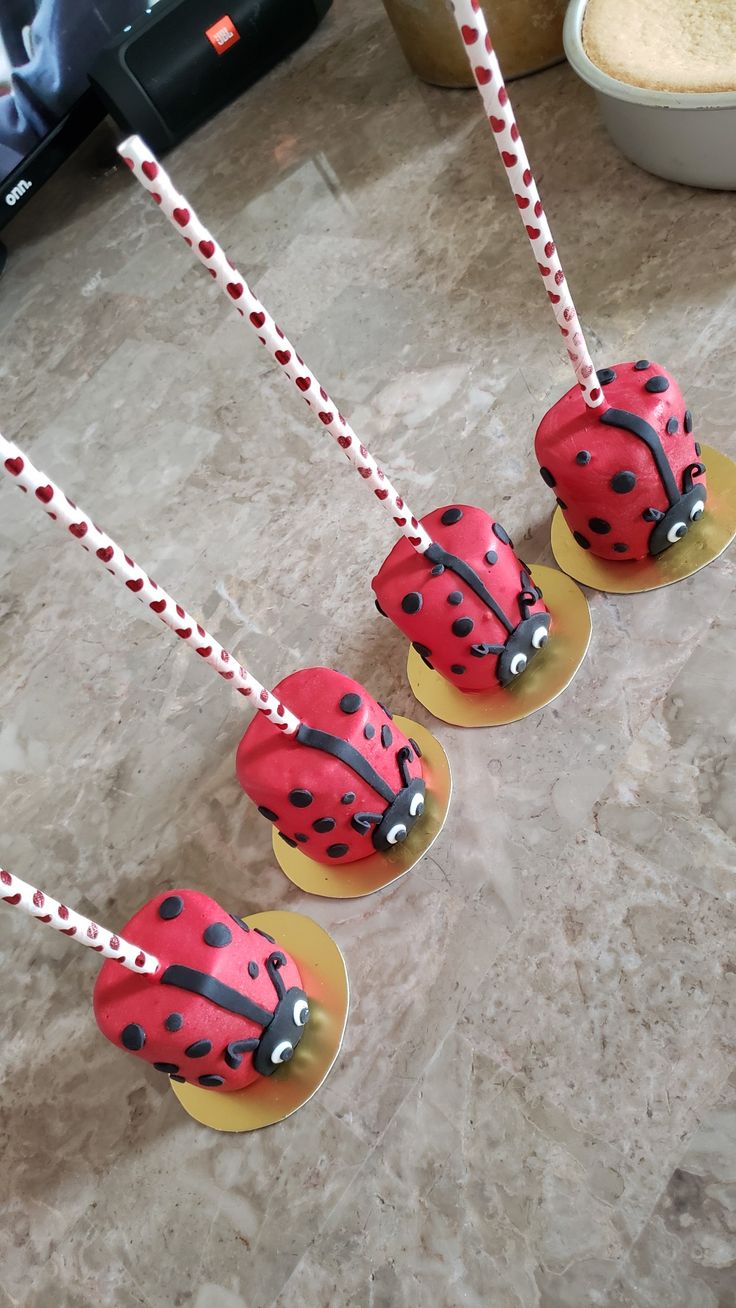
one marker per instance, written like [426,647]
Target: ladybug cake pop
[319,742]
[468,605]
[628,475]
[502,624]
[341,790]
[213,1001]
[224,1006]
[617,450]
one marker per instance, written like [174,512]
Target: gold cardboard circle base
[273,1098]
[704,542]
[350,880]
[546,677]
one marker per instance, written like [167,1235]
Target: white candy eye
[301,1013]
[283,1051]
[676,532]
[396,834]
[517,665]
[697,510]
[540,637]
[417,805]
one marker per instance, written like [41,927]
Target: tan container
[527,35]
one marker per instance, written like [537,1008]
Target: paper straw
[489,79]
[148,171]
[40,905]
[57,505]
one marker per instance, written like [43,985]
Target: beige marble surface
[536,1105]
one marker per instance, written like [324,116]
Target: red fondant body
[271,766]
[584,490]
[122,998]
[405,572]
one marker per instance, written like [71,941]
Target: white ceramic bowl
[688,137]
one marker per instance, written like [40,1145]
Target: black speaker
[184,60]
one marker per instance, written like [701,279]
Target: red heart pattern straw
[489,80]
[148,171]
[40,905]
[18,467]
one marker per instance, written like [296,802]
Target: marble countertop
[535,1106]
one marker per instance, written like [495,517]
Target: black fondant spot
[501,534]
[672,426]
[174,1022]
[217,935]
[386,736]
[438,570]
[253,970]
[350,703]
[133,1036]
[348,797]
[561,503]
[463,626]
[424,650]
[265,935]
[657,385]
[491,557]
[170,1069]
[323,825]
[336,851]
[412,602]
[457,668]
[415,747]
[268,813]
[582,540]
[583,456]
[623,482]
[599,526]
[547,477]
[300,836]
[174,1077]
[642,364]
[455,597]
[198,1049]
[171,907]
[211,1080]
[620,547]
[288,840]
[369,731]
[606,376]
[451,516]
[380,610]
[688,423]
[697,449]
[301,798]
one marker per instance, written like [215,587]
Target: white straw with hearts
[40,905]
[49,496]
[489,79]
[148,171]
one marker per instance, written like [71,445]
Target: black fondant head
[524,641]
[680,516]
[283,1033]
[400,816]
[522,646]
